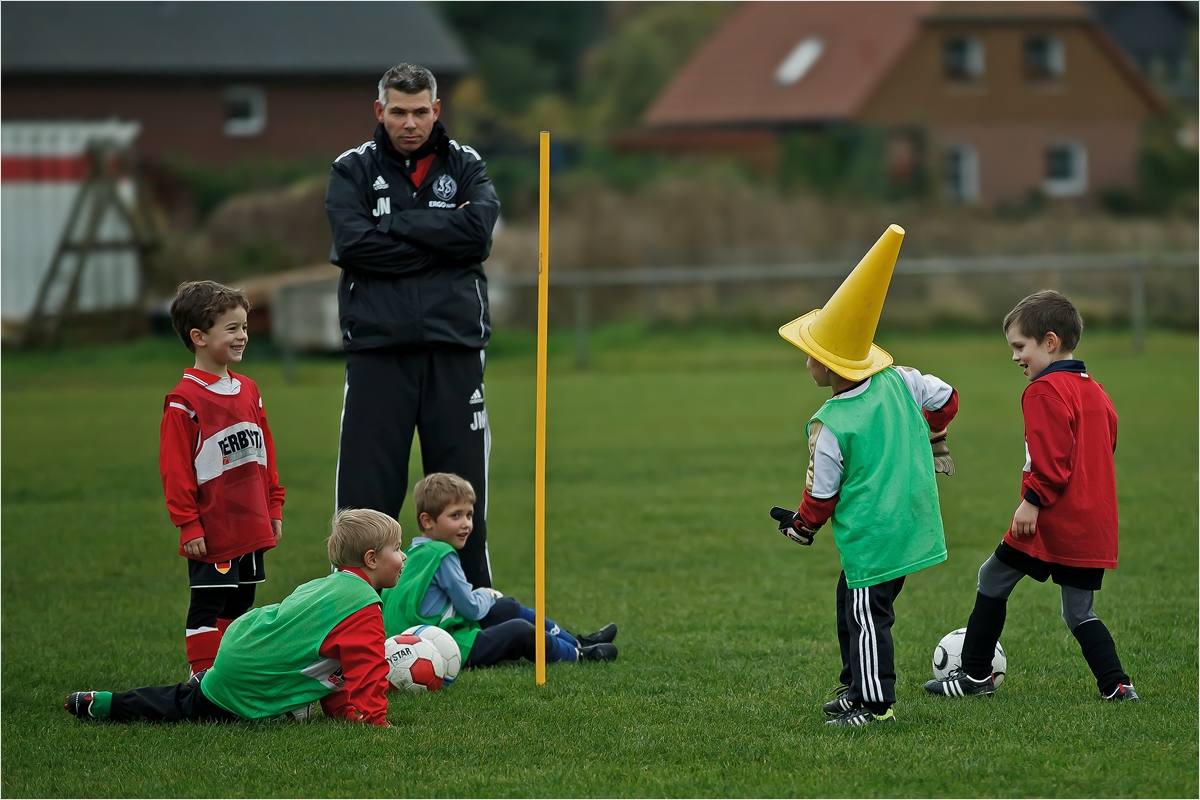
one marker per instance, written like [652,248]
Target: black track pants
[183,701]
[437,392]
[864,625]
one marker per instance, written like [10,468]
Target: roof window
[799,61]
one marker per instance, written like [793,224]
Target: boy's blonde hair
[197,304]
[1045,311]
[354,531]
[439,489]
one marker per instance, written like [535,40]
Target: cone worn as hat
[841,334]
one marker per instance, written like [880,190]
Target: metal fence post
[581,326]
[1137,307]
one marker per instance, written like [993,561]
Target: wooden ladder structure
[97,197]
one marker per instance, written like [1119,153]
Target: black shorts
[1088,578]
[249,568]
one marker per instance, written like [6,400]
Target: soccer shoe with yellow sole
[861,716]
[840,703]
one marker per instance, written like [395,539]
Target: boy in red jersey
[1066,525]
[218,467]
[323,642]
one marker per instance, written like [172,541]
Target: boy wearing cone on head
[871,474]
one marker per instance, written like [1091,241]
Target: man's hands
[942,462]
[1024,521]
[791,526]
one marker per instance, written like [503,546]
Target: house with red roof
[994,99]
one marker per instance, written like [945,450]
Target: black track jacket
[411,266]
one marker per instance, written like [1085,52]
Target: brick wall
[316,118]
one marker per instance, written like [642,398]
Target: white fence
[307,312]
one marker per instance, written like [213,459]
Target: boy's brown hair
[439,489]
[197,304]
[1045,311]
[354,531]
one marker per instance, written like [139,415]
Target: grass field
[663,461]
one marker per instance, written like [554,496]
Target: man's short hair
[354,531]
[439,489]
[409,79]
[197,304]
[1046,311]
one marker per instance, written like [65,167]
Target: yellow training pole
[539,470]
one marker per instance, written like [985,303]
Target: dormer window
[1044,59]
[962,58]
[799,61]
[245,111]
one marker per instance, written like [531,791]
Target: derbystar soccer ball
[947,656]
[445,644]
[414,664]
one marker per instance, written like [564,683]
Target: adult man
[412,213]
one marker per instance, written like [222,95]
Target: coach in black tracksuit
[412,214]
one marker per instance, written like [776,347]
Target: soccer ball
[414,664]
[445,644]
[947,656]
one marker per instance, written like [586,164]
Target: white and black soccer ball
[947,656]
[414,665]
[444,642]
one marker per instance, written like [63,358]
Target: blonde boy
[323,642]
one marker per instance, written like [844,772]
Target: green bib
[402,604]
[887,522]
[269,663]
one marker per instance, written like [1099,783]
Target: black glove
[791,526]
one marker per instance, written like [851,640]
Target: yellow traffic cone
[840,335]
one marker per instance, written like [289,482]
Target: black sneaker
[603,636]
[80,704]
[605,651]
[959,684]
[861,716]
[1124,693]
[840,703]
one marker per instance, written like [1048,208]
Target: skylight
[799,61]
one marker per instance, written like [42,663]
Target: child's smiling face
[1033,356]
[452,526]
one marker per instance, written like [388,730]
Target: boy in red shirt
[323,642]
[218,467]
[1066,525]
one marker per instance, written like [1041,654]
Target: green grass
[663,460]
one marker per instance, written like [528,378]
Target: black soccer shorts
[240,571]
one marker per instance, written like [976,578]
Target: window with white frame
[962,58]
[960,173]
[245,111]
[1066,169]
[1044,58]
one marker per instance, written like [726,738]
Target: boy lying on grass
[323,642]
[488,626]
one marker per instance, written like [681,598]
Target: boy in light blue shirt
[488,627]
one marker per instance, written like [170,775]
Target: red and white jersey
[218,465]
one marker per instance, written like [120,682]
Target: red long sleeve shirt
[1070,437]
[217,461]
[357,643]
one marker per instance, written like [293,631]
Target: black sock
[878,709]
[1101,654]
[983,631]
